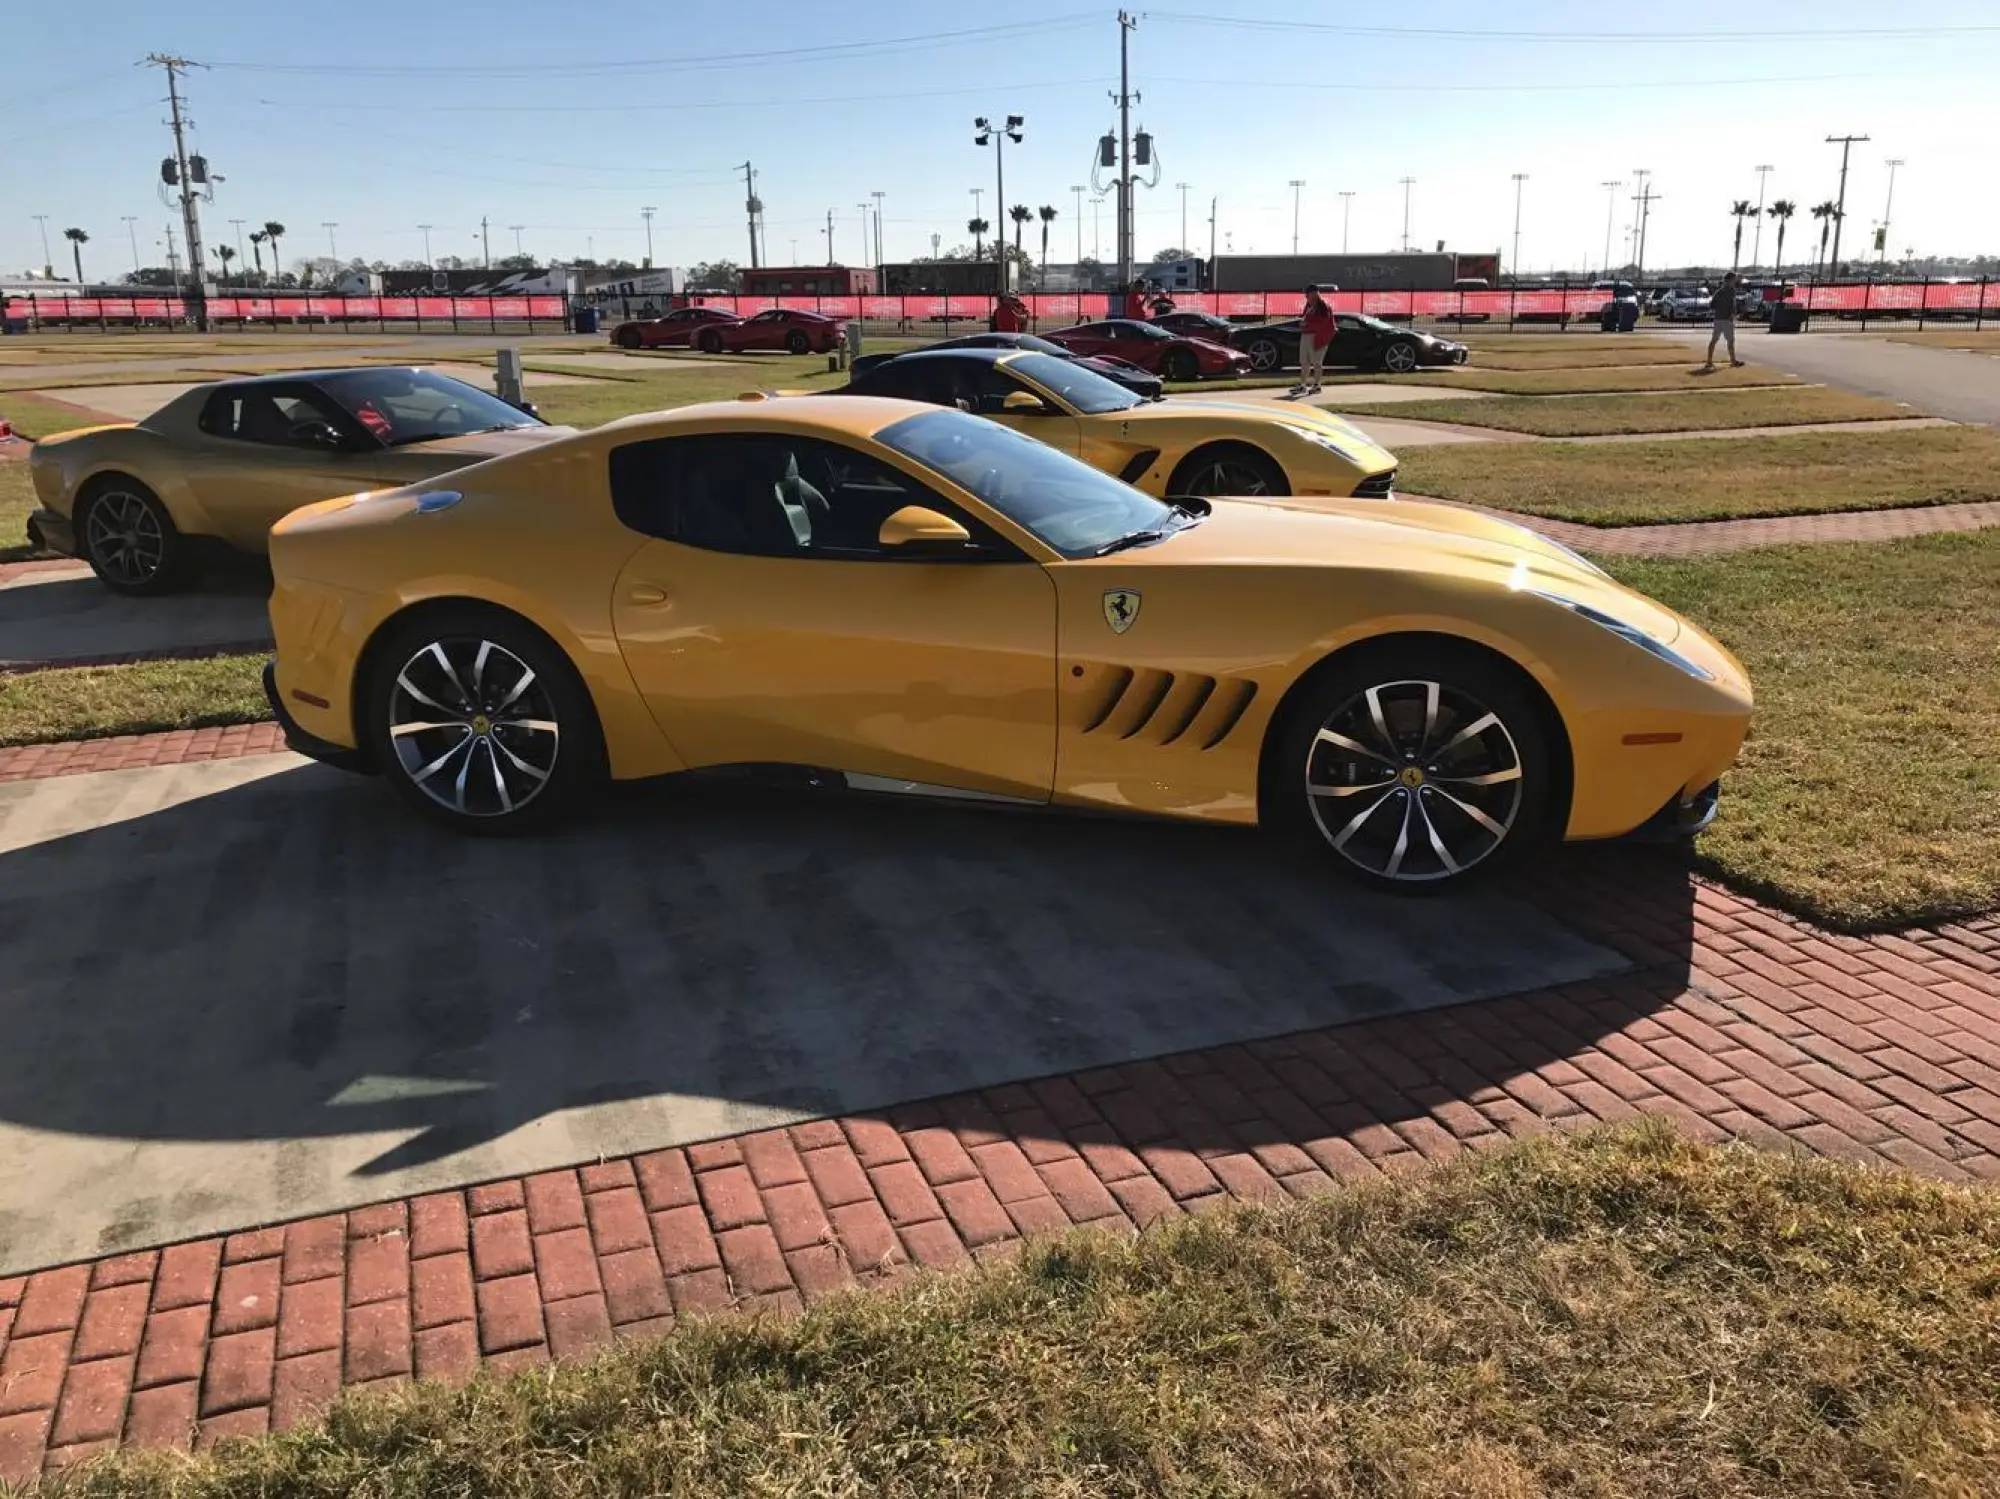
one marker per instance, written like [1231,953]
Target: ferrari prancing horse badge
[1121,609]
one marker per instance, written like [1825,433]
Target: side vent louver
[1164,707]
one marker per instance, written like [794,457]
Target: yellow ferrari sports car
[213,468]
[1168,447]
[898,598]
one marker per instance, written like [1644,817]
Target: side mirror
[527,407]
[916,527]
[1025,402]
[317,435]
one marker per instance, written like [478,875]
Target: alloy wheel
[1414,781]
[1227,476]
[1399,358]
[1263,356]
[124,537]
[474,727]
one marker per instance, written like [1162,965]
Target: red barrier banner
[1057,309]
[839,307]
[549,307]
[1962,296]
[972,309]
[924,309]
[399,308]
[118,307]
[515,308]
[225,307]
[1239,304]
[746,306]
[362,307]
[438,308]
[881,309]
[798,304]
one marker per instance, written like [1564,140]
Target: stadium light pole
[517,228]
[1519,179]
[1009,129]
[1183,186]
[429,264]
[1077,188]
[878,195]
[1346,216]
[1757,237]
[132,233]
[1408,183]
[1882,255]
[332,249]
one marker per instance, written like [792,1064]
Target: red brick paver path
[30,762]
[1705,538]
[1734,1021]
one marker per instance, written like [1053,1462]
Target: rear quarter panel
[62,465]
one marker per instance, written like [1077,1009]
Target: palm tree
[1740,210]
[977,229]
[77,240]
[225,254]
[1826,213]
[274,231]
[1782,210]
[257,238]
[1047,215]
[1020,213]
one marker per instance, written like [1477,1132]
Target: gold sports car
[215,466]
[900,598]
[1168,447]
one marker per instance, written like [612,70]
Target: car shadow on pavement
[57,618]
[289,995]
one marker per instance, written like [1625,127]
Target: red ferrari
[775,328]
[674,330]
[1172,356]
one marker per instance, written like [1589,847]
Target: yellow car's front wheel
[1416,767]
[479,720]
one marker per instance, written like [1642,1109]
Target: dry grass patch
[34,417]
[1683,375]
[97,702]
[1869,793]
[1980,341]
[1643,484]
[625,394]
[1580,354]
[1589,416]
[1627,1314]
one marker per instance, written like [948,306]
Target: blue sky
[530,114]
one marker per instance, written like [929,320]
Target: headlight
[1329,442]
[1630,633]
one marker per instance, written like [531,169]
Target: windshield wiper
[1132,539]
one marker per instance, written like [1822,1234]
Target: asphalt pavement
[1954,383]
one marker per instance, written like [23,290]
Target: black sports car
[1359,342]
[1134,379]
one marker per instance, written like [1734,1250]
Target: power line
[1466,34]
[1431,86]
[961,91]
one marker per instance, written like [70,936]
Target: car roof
[293,377]
[856,415]
[965,351]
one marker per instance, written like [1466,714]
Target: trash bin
[583,319]
[1607,318]
[1788,317]
[1628,316]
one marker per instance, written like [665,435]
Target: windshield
[1084,389]
[402,406]
[1063,501]
[1376,323]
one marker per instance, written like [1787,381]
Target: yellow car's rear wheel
[1417,768]
[480,721]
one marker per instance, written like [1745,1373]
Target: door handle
[645,593]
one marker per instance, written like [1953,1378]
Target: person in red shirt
[1135,299]
[1011,315]
[1315,334]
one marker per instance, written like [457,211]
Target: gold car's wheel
[128,538]
[480,721]
[1227,469]
[1417,773]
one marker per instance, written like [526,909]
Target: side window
[909,380]
[270,415]
[772,495]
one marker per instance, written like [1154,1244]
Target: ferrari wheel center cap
[1412,777]
[481,725]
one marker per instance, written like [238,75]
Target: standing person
[1011,315]
[1162,304]
[1135,299]
[1723,306]
[1315,334]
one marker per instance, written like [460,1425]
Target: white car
[1681,306]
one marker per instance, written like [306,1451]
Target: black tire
[512,776]
[628,338]
[1181,364]
[709,341]
[1400,356]
[797,342]
[1459,795]
[128,538]
[1266,356]
[1228,468]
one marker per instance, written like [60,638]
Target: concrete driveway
[246,990]
[66,615]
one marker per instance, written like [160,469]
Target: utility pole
[753,208]
[1295,184]
[173,256]
[48,261]
[132,233]
[1127,24]
[829,236]
[1646,198]
[1515,267]
[878,195]
[190,216]
[1757,237]
[332,249]
[1077,188]
[1212,202]
[485,244]
[1883,254]
[241,269]
[1183,186]
[1346,215]
[425,229]
[1408,183]
[647,215]
[1610,208]
[1846,144]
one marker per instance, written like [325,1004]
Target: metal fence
[1564,305]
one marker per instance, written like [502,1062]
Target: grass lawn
[1683,374]
[1580,354]
[95,702]
[1983,340]
[1626,1314]
[17,498]
[1638,484]
[1869,793]
[650,390]
[32,416]
[1583,416]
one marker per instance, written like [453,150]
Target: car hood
[1400,536]
[475,447]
